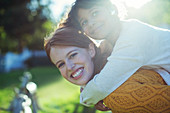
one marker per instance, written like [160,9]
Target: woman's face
[75,64]
[96,22]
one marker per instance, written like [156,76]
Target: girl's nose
[91,23]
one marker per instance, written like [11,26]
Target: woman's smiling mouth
[77,74]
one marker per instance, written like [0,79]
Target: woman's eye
[60,65]
[73,55]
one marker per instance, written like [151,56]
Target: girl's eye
[60,65]
[84,23]
[73,55]
[94,13]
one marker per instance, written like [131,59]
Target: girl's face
[75,64]
[96,22]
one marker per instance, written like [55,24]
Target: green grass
[55,94]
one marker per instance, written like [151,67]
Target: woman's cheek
[62,73]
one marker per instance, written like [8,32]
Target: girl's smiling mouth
[96,29]
[77,74]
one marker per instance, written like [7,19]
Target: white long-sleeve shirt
[139,45]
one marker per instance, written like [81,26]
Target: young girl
[136,44]
[78,60]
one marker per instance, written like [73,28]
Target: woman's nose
[70,65]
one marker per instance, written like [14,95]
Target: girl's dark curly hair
[72,16]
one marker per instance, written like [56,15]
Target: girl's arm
[122,63]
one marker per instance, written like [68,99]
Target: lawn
[55,94]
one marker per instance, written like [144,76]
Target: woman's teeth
[77,73]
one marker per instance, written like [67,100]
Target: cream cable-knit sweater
[139,45]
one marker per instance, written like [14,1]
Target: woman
[136,44]
[78,59]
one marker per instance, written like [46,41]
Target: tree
[156,12]
[22,23]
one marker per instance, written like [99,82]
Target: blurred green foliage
[155,12]
[40,75]
[23,23]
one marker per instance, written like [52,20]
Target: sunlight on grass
[61,91]
[60,96]
[8,96]
[55,94]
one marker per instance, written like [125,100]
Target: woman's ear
[92,50]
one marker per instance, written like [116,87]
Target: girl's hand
[100,106]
